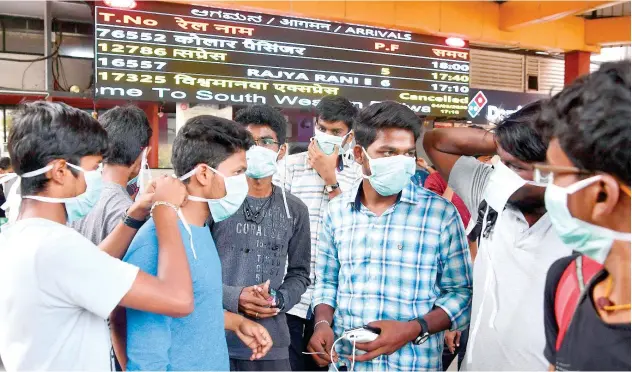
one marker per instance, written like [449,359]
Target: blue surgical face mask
[79,206]
[391,174]
[236,192]
[133,181]
[590,240]
[327,142]
[262,162]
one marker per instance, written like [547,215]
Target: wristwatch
[331,188]
[424,334]
[132,222]
[277,299]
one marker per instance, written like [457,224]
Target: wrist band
[132,222]
[322,321]
[159,203]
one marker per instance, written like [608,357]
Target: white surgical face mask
[144,175]
[236,192]
[262,162]
[76,207]
[590,240]
[327,142]
[391,174]
[502,184]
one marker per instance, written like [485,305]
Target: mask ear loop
[287,209]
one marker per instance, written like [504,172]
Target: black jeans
[448,357]
[301,330]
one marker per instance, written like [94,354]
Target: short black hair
[336,108]
[264,115]
[128,134]
[297,149]
[5,163]
[207,139]
[44,131]
[387,114]
[516,134]
[591,120]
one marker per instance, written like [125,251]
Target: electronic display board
[187,53]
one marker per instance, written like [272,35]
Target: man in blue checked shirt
[391,255]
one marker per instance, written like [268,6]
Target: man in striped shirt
[316,177]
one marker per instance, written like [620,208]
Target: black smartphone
[375,330]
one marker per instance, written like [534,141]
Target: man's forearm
[324,312]
[117,242]
[173,265]
[232,321]
[461,141]
[438,320]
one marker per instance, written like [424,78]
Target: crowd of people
[511,251]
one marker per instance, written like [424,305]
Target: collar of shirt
[407,195]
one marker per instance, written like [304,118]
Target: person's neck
[375,202]
[196,213]
[118,174]
[55,212]
[618,266]
[259,188]
[534,216]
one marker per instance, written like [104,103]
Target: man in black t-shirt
[588,200]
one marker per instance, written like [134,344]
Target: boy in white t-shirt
[56,287]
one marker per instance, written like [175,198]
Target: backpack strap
[570,290]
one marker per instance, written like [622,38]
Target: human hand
[255,336]
[170,190]
[322,163]
[393,336]
[452,340]
[254,303]
[142,206]
[320,345]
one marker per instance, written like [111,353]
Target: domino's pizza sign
[491,106]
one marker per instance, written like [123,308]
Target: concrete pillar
[576,64]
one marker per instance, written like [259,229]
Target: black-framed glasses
[544,173]
[267,142]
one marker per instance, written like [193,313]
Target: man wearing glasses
[517,243]
[588,198]
[316,177]
[268,234]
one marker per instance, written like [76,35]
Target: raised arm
[170,292]
[445,146]
[121,235]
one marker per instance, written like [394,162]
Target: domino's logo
[476,104]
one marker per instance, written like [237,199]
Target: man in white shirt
[517,243]
[56,287]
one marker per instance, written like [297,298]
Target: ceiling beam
[517,14]
[607,31]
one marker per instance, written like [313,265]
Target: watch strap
[424,333]
[332,188]
[132,222]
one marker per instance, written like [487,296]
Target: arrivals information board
[186,53]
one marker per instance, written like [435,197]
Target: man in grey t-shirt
[265,247]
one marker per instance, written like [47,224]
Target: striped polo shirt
[304,182]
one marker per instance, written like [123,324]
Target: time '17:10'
[450,88]
[132,78]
